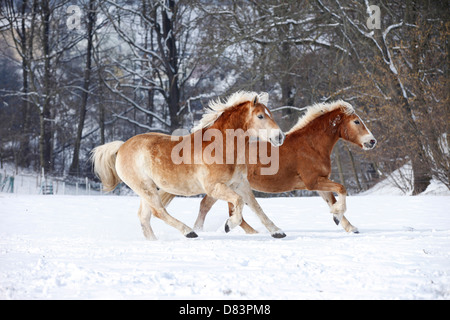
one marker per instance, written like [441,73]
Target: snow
[92,247]
[400,181]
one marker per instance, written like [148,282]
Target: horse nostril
[372,142]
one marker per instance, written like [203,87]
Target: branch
[130,41]
[368,35]
[153,129]
[289,107]
[113,90]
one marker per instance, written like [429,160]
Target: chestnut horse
[305,159]
[146,163]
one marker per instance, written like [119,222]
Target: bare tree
[90,29]
[19,28]
[156,61]
[41,43]
[388,58]
[160,60]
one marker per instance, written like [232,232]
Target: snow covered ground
[92,247]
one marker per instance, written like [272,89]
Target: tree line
[76,74]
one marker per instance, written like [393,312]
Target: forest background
[77,74]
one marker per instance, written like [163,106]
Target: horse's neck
[231,120]
[231,125]
[320,133]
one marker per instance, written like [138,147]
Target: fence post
[11,184]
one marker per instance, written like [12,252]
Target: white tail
[104,160]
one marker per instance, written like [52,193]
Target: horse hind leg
[162,214]
[150,194]
[331,200]
[144,214]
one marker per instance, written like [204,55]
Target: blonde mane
[217,107]
[319,109]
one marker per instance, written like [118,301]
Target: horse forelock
[218,107]
[319,109]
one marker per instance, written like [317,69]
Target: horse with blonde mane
[305,159]
[146,163]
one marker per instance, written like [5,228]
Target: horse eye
[356,121]
[260,116]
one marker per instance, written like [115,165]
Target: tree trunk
[101,117]
[150,106]
[44,116]
[168,40]
[421,173]
[339,163]
[417,145]
[24,151]
[74,167]
[287,88]
[355,173]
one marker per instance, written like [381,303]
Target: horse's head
[260,121]
[354,130]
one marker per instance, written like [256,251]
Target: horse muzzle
[369,143]
[277,139]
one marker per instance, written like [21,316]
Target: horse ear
[256,100]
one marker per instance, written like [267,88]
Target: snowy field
[92,247]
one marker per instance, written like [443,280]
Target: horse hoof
[191,234]
[278,235]
[227,228]
[356,231]
[336,220]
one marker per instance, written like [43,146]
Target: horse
[150,163]
[305,159]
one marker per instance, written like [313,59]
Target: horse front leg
[205,206]
[224,192]
[244,225]
[246,192]
[339,207]
[331,200]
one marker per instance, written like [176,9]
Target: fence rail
[47,185]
